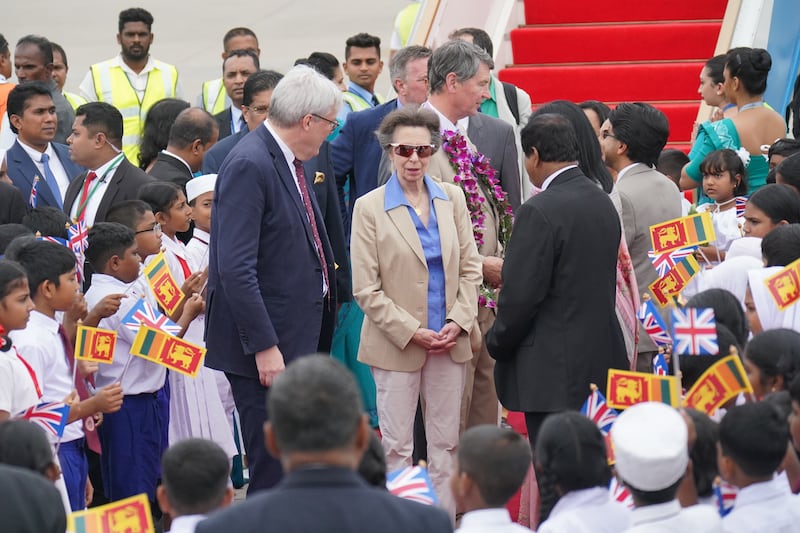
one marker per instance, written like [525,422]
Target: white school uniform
[768,506]
[486,520]
[670,516]
[587,511]
[727,226]
[195,407]
[17,389]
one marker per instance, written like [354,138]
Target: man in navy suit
[271,267]
[357,155]
[318,429]
[32,116]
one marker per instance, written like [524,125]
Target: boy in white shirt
[753,439]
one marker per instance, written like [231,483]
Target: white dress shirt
[40,344]
[17,389]
[138,80]
[445,123]
[489,521]
[768,506]
[142,375]
[667,517]
[105,173]
[54,163]
[554,175]
[186,524]
[587,511]
[624,171]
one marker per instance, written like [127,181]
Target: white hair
[302,91]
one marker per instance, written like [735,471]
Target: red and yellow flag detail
[163,285]
[95,344]
[682,232]
[784,286]
[722,381]
[131,515]
[169,351]
[626,388]
[675,281]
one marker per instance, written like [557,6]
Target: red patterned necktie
[89,430]
[301,181]
[81,211]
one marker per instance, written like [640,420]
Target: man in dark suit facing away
[556,330]
[96,144]
[271,268]
[318,429]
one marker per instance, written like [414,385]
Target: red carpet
[626,50]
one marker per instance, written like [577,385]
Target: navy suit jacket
[212,160]
[357,153]
[265,277]
[327,500]
[22,169]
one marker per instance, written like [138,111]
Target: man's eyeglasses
[155,229]
[259,110]
[333,123]
[405,150]
[606,134]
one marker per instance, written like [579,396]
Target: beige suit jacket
[644,197]
[390,278]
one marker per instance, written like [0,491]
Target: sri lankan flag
[131,515]
[722,381]
[169,351]
[164,286]
[95,344]
[682,232]
[784,286]
[675,281]
[626,388]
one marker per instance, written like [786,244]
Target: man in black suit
[318,429]
[271,267]
[556,330]
[96,143]
[191,135]
[236,69]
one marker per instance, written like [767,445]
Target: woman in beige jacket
[416,273]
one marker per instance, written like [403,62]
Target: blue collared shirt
[431,246]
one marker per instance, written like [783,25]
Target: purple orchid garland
[473,172]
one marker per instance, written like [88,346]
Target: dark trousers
[534,421]
[251,402]
[74,467]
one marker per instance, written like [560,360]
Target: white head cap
[650,446]
[199,185]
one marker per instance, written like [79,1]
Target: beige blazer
[390,278]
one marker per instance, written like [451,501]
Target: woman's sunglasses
[405,150]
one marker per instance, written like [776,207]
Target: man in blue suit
[318,429]
[271,267]
[357,155]
[32,116]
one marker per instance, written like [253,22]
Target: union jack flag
[665,262]
[57,240]
[620,493]
[50,416]
[143,313]
[694,331]
[741,203]
[33,199]
[412,483]
[653,323]
[725,496]
[78,237]
[660,367]
[596,409]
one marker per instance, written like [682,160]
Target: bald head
[192,134]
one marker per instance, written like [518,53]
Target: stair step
[628,82]
[578,11]
[613,42]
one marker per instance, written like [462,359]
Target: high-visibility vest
[215,99]
[111,85]
[405,20]
[357,103]
[5,88]
[75,100]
